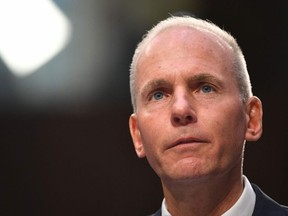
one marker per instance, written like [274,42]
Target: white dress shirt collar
[243,207]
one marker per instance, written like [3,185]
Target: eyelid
[213,86]
[205,79]
[154,85]
[157,90]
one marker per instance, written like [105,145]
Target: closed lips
[188,140]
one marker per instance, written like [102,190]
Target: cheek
[152,146]
[227,131]
[153,134]
[230,114]
[149,136]
[228,124]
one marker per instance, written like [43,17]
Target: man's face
[190,122]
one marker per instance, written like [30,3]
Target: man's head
[239,62]
[192,99]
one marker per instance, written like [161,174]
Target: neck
[212,197]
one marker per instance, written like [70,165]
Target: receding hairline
[187,22]
[186,35]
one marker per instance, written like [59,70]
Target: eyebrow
[154,84]
[204,77]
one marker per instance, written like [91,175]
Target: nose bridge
[182,110]
[181,99]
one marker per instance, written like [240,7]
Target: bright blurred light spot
[32,32]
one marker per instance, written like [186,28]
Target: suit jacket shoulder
[265,206]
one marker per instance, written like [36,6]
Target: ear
[136,136]
[254,119]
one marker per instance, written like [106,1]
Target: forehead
[177,47]
[179,39]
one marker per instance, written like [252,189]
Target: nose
[182,112]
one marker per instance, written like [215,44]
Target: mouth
[188,141]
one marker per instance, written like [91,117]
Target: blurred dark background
[65,144]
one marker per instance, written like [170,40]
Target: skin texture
[191,123]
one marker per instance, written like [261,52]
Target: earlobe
[254,119]
[136,136]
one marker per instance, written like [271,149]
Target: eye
[158,95]
[206,88]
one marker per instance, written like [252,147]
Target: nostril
[177,120]
[182,120]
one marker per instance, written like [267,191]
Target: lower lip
[190,145]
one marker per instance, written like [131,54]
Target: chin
[187,171]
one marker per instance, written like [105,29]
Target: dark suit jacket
[264,206]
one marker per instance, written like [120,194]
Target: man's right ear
[136,136]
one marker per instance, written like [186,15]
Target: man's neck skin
[204,198]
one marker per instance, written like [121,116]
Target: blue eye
[206,89]
[158,95]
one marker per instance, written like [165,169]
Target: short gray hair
[239,63]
